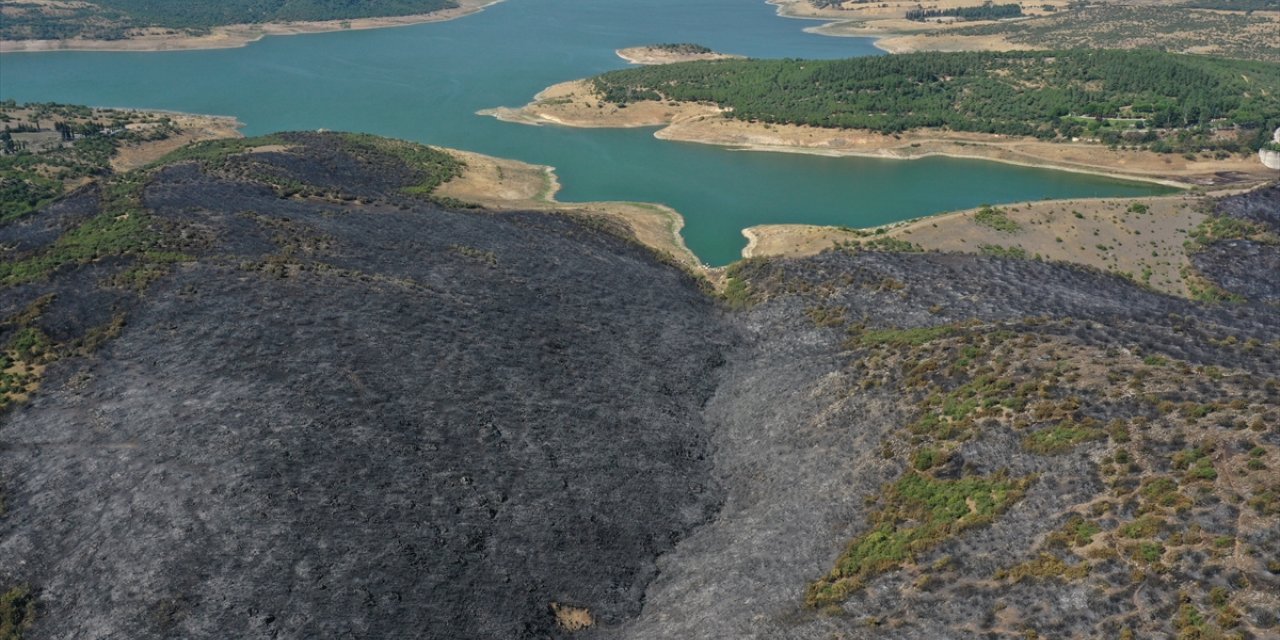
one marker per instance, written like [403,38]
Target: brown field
[882,18]
[1122,24]
[193,128]
[1109,234]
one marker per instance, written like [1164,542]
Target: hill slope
[353,415]
[272,389]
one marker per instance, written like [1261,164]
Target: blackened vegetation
[297,398]
[943,445]
[1238,249]
[330,419]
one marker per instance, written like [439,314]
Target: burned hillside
[274,388]
[314,405]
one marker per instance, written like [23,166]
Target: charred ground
[271,388]
[347,414]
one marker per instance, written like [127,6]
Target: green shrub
[917,513]
[17,612]
[997,219]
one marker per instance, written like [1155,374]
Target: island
[670,53]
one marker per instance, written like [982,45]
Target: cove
[426,82]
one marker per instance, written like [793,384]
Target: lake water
[426,82]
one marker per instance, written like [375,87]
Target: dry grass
[193,128]
[572,618]
[1108,234]
[1123,24]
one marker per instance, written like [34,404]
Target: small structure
[1270,156]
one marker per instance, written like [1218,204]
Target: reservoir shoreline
[575,104]
[240,35]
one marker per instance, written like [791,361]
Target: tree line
[985,11]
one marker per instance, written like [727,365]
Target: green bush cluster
[997,219]
[17,612]
[1062,437]
[917,512]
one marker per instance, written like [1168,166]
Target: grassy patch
[951,415]
[827,316]
[1046,566]
[434,167]
[1078,532]
[916,513]
[997,219]
[1148,552]
[1145,527]
[1061,437]
[737,293]
[1196,463]
[17,612]
[482,256]
[214,151]
[1000,251]
[902,337]
[1215,228]
[887,245]
[1163,491]
[122,228]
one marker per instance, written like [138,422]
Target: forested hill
[1042,94]
[111,19]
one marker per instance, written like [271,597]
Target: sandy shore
[238,35]
[576,104]
[887,21]
[503,184]
[656,55]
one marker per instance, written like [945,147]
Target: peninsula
[1026,108]
[1233,28]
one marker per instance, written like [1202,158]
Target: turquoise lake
[426,82]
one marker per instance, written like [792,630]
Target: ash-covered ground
[356,420]
[317,405]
